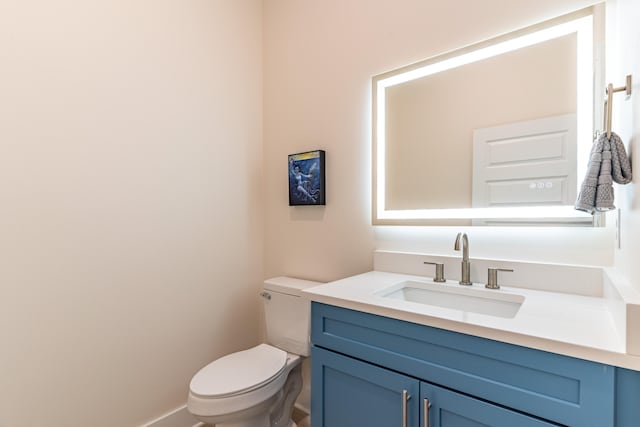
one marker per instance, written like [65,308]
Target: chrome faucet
[465,278]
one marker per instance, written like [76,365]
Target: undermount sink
[456,297]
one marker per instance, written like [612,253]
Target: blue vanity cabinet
[361,364]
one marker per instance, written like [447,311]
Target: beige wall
[319,60]
[623,57]
[130,204]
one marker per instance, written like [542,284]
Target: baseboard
[177,418]
[181,417]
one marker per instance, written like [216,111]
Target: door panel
[451,409]
[350,393]
[529,163]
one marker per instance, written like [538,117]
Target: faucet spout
[465,245]
[465,277]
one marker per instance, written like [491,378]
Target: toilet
[259,386]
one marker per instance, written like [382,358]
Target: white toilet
[258,387]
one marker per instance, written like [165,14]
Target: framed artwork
[306,178]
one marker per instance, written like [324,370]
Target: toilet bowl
[251,388]
[258,387]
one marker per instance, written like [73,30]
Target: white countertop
[573,325]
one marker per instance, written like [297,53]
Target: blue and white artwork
[306,178]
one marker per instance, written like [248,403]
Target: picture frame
[307,178]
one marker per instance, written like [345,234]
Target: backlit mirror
[495,133]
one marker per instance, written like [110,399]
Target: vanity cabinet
[369,370]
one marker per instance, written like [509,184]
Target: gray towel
[608,162]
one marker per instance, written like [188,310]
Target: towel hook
[608,104]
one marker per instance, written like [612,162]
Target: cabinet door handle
[425,411]
[405,414]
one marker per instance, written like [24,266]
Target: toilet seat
[239,373]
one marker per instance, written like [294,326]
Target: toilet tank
[288,314]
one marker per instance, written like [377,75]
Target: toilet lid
[239,372]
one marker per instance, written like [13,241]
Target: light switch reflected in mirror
[496,133]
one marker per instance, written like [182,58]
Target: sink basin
[482,301]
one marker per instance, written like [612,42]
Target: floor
[301,418]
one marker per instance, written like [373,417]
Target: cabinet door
[350,393]
[441,407]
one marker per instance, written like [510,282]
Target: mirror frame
[582,24]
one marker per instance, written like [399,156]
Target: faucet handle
[492,277]
[439,271]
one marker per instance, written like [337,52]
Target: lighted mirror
[495,133]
